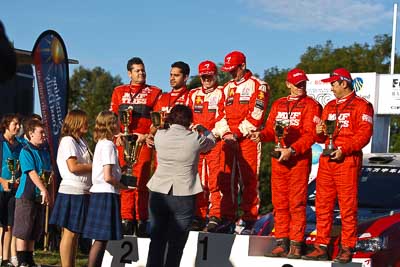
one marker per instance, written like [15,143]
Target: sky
[271,33]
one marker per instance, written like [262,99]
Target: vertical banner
[52,75]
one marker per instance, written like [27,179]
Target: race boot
[295,250]
[281,248]
[320,253]
[345,255]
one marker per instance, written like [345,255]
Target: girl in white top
[103,221]
[74,161]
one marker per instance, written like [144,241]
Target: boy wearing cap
[338,172]
[290,171]
[207,104]
[141,97]
[246,98]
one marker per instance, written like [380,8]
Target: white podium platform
[208,250]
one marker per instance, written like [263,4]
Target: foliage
[90,90]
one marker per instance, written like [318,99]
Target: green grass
[53,258]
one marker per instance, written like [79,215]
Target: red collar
[294,97]
[245,77]
[345,98]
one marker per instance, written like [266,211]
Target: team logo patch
[198,104]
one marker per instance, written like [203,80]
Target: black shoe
[213,224]
[128,227]
[198,224]
[141,230]
[6,263]
[248,228]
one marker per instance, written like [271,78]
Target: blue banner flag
[52,75]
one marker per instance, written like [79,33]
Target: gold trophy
[158,119]
[330,129]
[13,167]
[131,147]
[280,131]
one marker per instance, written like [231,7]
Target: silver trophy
[281,128]
[330,130]
[131,147]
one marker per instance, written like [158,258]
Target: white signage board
[389,94]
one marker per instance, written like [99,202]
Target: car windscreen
[379,187]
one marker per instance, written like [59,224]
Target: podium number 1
[204,242]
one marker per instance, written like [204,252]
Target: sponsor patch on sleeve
[260,103]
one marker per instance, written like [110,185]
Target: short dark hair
[31,125]
[183,66]
[134,60]
[180,114]
[6,121]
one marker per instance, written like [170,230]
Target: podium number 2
[204,242]
[124,256]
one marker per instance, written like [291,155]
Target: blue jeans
[170,221]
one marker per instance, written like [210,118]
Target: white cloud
[322,15]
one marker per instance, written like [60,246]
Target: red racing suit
[245,104]
[354,125]
[168,100]
[289,178]
[134,202]
[208,108]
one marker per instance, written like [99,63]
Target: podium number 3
[204,242]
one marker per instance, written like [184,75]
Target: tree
[90,90]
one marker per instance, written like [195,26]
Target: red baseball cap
[232,60]
[207,68]
[296,76]
[340,74]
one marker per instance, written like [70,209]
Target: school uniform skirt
[103,220]
[70,211]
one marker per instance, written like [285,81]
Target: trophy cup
[280,131]
[330,129]
[158,119]
[131,148]
[13,167]
[46,179]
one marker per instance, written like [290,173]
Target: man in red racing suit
[246,98]
[142,98]
[179,94]
[339,171]
[207,104]
[291,169]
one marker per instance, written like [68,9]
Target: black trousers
[170,221]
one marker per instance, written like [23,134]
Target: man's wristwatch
[292,151]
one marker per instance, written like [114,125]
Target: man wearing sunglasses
[339,170]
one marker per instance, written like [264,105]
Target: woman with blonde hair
[74,161]
[104,216]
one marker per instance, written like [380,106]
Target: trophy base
[129,180]
[12,187]
[327,151]
[276,154]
